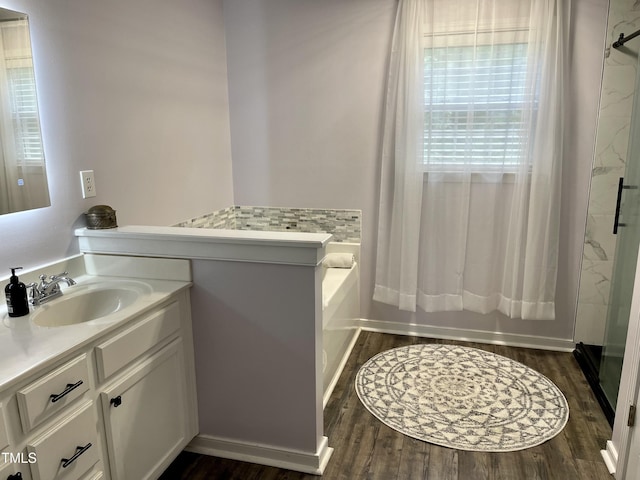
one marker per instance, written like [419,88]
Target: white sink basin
[86,303]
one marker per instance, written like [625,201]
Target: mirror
[23,178]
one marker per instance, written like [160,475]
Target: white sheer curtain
[472,149]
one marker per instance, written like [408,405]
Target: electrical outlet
[88,183]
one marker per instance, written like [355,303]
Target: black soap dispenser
[16,293]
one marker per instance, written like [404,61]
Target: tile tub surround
[224,219]
[344,225]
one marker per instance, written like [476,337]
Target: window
[475,103]
[24,113]
[18,102]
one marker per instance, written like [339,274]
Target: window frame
[461,39]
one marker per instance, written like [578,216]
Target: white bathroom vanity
[100,383]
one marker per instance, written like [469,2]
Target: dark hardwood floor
[367,449]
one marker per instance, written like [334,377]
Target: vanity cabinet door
[4,440]
[18,470]
[145,417]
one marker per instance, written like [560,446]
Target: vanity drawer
[53,392]
[4,439]
[128,345]
[67,451]
[12,466]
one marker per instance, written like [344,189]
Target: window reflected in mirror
[23,178]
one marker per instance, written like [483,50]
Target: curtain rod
[622,39]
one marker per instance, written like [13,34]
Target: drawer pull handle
[70,387]
[117,401]
[79,451]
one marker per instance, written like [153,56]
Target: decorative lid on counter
[101,216]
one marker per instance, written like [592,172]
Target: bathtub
[340,309]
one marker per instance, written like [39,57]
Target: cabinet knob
[117,401]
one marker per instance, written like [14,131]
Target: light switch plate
[88,183]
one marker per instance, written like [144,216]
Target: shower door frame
[616,453]
[633,461]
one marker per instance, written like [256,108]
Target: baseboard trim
[343,362]
[480,336]
[610,457]
[313,463]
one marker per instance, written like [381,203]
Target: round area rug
[461,397]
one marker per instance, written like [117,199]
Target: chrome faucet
[48,289]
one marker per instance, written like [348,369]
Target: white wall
[306,89]
[306,86]
[136,91]
[258,360]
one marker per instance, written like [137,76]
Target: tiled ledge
[344,225]
[290,248]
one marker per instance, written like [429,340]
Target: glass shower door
[628,240]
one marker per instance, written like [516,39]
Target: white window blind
[474,103]
[19,107]
[24,113]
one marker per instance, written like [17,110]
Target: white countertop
[26,347]
[291,248]
[242,237]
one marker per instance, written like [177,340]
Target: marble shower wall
[616,102]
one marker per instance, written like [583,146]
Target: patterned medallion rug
[461,397]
